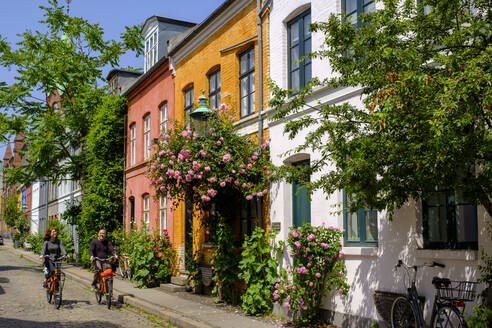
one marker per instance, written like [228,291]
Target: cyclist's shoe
[93,288]
[44,284]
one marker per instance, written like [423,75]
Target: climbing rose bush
[318,268]
[197,168]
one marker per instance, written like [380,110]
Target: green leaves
[425,115]
[258,269]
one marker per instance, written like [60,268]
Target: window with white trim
[163,212]
[247,82]
[151,50]
[146,212]
[299,45]
[164,118]
[214,89]
[133,143]
[188,103]
[147,137]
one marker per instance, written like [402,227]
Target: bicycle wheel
[402,314]
[98,293]
[57,295]
[109,292]
[121,272]
[49,295]
[448,317]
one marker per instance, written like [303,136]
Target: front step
[172,288]
[180,281]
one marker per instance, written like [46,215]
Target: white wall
[369,268]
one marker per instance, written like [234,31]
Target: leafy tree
[12,214]
[424,70]
[102,204]
[63,64]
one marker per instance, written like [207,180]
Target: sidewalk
[178,311]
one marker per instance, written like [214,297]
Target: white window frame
[164,118]
[146,211]
[147,137]
[151,43]
[133,143]
[163,212]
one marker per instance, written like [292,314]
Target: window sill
[448,254]
[209,245]
[349,251]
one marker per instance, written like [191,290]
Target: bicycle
[55,283]
[124,267]
[448,307]
[104,286]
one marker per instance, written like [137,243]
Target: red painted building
[150,101]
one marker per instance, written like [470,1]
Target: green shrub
[258,269]
[36,242]
[151,258]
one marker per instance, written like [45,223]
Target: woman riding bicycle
[52,247]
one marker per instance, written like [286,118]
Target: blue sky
[17,16]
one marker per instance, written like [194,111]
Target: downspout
[259,12]
[124,169]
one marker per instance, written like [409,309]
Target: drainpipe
[124,168]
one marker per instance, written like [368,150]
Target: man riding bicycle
[100,248]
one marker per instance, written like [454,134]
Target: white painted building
[370,260]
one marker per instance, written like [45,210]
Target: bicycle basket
[464,291]
[108,272]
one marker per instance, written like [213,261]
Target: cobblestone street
[23,301]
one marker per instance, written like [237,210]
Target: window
[162,212]
[147,137]
[247,82]
[248,218]
[164,118]
[214,89]
[133,143]
[146,214]
[299,45]
[353,9]
[361,227]
[449,222]
[301,206]
[151,50]
[188,101]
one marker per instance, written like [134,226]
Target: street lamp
[200,116]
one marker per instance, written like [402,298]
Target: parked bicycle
[449,303]
[55,283]
[104,285]
[124,267]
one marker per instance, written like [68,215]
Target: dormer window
[151,49]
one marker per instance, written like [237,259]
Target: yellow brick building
[221,56]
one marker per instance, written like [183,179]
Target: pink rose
[226,158]
[222,184]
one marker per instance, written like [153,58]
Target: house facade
[220,57]
[372,244]
[150,113]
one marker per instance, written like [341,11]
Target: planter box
[384,301]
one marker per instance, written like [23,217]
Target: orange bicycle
[104,285]
[124,267]
[55,283]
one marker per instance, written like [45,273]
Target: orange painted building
[150,112]
[221,56]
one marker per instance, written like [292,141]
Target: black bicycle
[449,303]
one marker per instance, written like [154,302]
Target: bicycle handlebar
[100,259]
[426,264]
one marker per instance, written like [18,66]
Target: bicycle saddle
[441,282]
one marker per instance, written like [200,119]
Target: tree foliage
[12,214]
[102,204]
[66,61]
[424,70]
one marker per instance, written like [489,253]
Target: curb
[173,317]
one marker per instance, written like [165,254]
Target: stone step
[180,281]
[172,288]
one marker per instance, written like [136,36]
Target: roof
[166,20]
[179,41]
[142,77]
[115,71]
[8,152]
